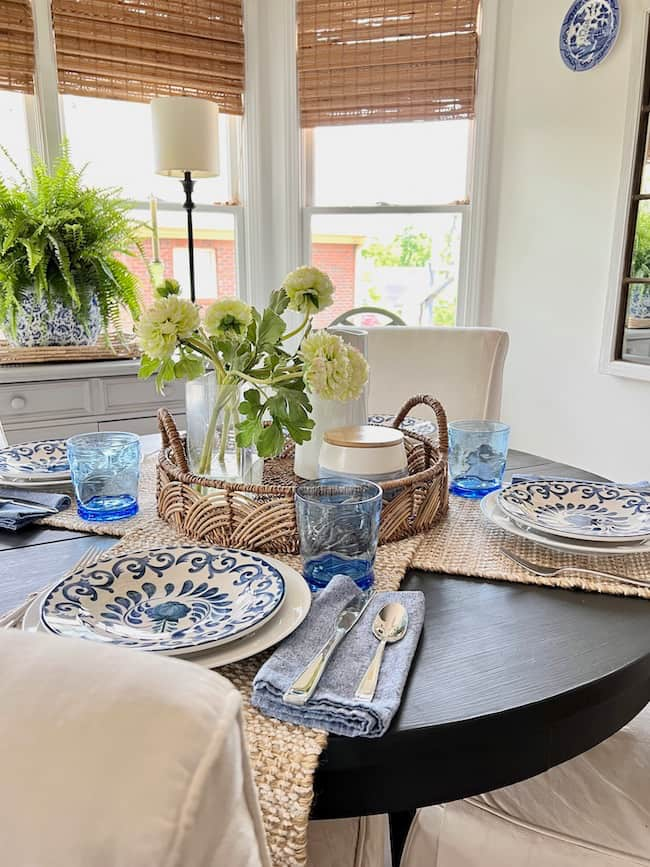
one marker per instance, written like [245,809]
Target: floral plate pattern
[169,600]
[41,459]
[588,33]
[579,510]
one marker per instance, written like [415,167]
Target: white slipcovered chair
[462,367]
[592,811]
[114,758]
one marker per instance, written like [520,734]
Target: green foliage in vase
[61,239]
[247,347]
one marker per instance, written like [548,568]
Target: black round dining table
[508,680]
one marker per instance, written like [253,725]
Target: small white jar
[365,451]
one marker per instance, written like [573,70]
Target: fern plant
[60,239]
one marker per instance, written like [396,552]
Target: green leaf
[271,441]
[188,367]
[271,329]
[148,366]
[165,374]
[248,432]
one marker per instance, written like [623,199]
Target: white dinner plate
[294,609]
[169,600]
[588,511]
[63,485]
[495,515]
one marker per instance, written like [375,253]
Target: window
[14,137]
[387,101]
[105,60]
[633,342]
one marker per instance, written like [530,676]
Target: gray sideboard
[59,400]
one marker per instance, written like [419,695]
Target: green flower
[161,326]
[333,369]
[308,290]
[228,318]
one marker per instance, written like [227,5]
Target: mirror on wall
[634,307]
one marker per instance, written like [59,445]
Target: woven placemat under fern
[118,348]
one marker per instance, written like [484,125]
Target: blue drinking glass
[105,470]
[477,457]
[338,525]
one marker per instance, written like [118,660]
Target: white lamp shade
[185,136]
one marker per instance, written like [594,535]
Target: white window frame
[46,128]
[472,213]
[609,363]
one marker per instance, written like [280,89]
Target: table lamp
[186,146]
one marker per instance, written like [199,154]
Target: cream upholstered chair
[113,758]
[592,811]
[462,367]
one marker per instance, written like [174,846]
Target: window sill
[626,369]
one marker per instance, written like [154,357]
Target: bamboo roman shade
[16,46]
[138,49]
[365,61]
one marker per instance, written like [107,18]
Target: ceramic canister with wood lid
[367,452]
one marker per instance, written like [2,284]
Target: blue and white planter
[638,310]
[37,325]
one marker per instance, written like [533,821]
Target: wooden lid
[364,437]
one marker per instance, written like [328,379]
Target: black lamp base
[188,188]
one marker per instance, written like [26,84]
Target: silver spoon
[389,626]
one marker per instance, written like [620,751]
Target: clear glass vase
[212,415]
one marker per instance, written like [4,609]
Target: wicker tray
[262,517]
[118,349]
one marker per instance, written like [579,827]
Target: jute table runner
[466,544]
[284,757]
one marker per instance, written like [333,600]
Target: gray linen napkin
[14,517]
[333,706]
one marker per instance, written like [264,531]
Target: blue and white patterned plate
[579,510]
[44,459]
[588,33]
[169,600]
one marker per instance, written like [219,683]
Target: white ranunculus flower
[162,324]
[308,289]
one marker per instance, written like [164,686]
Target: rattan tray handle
[436,406]
[171,437]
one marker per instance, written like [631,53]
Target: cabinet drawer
[140,395]
[44,400]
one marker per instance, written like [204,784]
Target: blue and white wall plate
[579,510]
[169,600]
[44,459]
[588,33]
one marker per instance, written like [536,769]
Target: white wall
[557,150]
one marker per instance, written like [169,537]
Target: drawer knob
[18,402]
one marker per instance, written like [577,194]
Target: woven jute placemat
[68,519]
[466,544]
[283,756]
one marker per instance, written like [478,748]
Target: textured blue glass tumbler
[105,472]
[338,524]
[477,457]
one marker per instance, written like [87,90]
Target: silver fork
[13,617]
[553,571]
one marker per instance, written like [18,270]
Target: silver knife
[302,689]
[28,504]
